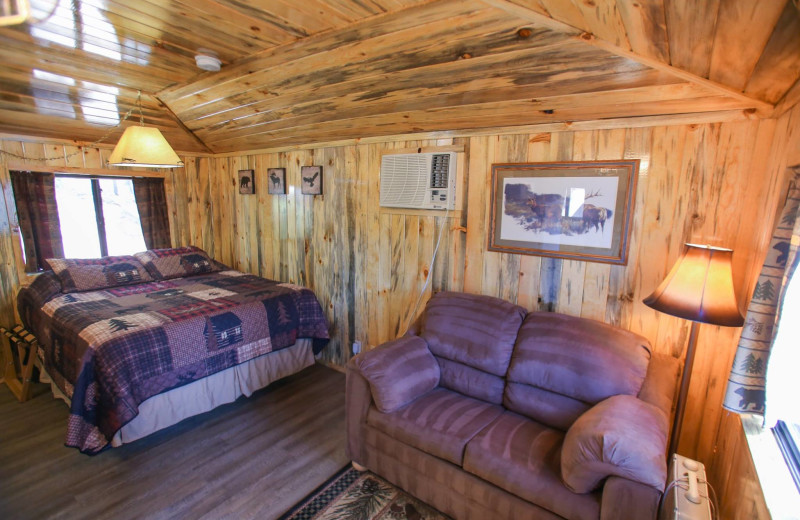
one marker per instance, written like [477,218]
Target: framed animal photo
[277,181]
[311,180]
[574,210]
[247,183]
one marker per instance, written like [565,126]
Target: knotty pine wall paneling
[715,183]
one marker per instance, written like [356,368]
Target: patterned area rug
[352,495]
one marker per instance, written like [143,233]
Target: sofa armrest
[621,436]
[623,498]
[358,399]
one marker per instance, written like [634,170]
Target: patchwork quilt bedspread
[109,350]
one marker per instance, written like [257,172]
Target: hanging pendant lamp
[143,147]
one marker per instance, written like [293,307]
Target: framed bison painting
[575,210]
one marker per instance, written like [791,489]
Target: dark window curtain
[37,213]
[152,204]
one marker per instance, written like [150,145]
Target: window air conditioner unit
[419,181]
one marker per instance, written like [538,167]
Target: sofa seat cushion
[524,458]
[440,423]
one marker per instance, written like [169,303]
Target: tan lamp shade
[699,288]
[145,147]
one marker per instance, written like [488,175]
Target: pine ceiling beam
[168,111]
[530,15]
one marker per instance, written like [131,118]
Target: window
[788,438]
[98,217]
[78,216]
[782,384]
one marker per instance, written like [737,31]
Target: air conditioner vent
[418,181]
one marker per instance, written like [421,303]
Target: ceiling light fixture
[143,147]
[207,60]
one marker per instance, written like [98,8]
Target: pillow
[44,287]
[398,372]
[87,274]
[176,262]
[622,436]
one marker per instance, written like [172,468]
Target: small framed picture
[277,181]
[311,180]
[247,183]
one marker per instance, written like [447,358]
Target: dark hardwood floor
[254,458]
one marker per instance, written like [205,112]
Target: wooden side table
[19,368]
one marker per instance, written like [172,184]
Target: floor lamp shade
[145,147]
[699,288]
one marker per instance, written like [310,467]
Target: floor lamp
[699,288]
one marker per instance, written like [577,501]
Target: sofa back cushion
[562,365]
[473,337]
[470,381]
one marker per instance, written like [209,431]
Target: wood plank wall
[717,183]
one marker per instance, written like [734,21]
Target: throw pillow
[398,372]
[622,436]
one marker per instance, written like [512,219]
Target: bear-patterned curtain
[747,381]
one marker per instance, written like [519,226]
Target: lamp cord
[80,148]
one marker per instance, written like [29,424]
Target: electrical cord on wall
[430,273]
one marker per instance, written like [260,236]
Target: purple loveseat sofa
[486,411]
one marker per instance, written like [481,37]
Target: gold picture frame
[578,210]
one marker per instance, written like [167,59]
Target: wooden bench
[19,352]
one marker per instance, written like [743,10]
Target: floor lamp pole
[685,379]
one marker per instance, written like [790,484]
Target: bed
[138,343]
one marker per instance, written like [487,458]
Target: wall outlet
[356,347]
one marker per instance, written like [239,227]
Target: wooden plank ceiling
[307,71]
